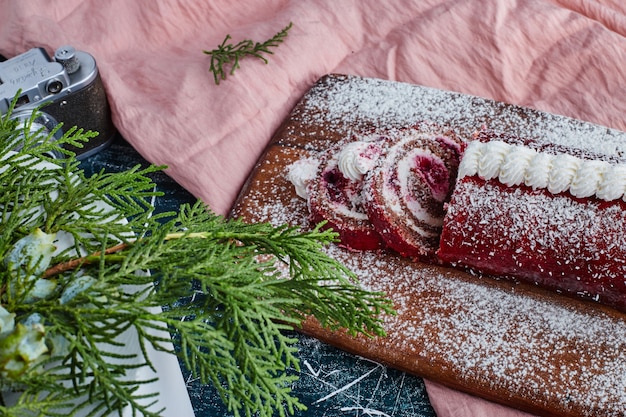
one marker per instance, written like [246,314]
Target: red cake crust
[571,245]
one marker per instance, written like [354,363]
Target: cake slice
[406,191]
[337,198]
[540,216]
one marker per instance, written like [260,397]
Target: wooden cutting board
[506,342]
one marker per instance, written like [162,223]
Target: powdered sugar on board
[501,338]
[355,102]
[544,353]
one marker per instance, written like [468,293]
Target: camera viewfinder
[22,100]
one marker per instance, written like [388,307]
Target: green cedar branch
[229,54]
[226,291]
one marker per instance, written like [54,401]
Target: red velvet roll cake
[383,190]
[540,216]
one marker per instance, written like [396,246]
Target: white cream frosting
[587,178]
[563,170]
[357,158]
[491,159]
[613,183]
[469,162]
[301,172]
[538,172]
[515,164]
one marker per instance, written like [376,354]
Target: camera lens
[41,127]
[54,86]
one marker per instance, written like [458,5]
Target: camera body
[66,89]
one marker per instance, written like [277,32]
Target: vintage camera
[66,89]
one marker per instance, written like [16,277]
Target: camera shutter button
[66,56]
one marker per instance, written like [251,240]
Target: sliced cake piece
[406,191]
[337,199]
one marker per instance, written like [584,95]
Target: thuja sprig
[225,291]
[229,54]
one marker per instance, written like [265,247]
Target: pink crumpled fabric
[562,56]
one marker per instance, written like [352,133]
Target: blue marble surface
[332,383]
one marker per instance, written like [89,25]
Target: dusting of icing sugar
[499,333]
[543,351]
[345,102]
[577,247]
[516,164]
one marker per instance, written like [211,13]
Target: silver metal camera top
[41,79]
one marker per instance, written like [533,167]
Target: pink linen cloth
[562,56]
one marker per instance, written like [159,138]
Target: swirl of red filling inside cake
[405,193]
[383,190]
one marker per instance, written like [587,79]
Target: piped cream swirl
[561,176]
[357,158]
[300,173]
[613,183]
[490,161]
[515,164]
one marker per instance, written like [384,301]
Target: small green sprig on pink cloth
[229,54]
